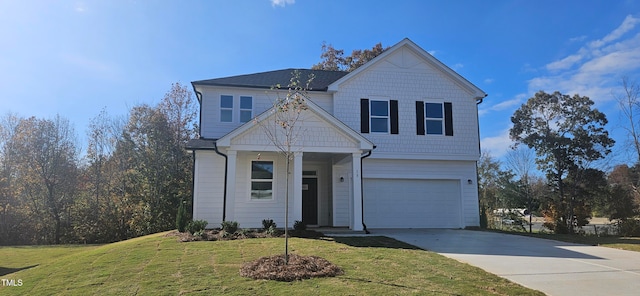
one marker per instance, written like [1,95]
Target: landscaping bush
[196,226]
[299,226]
[268,223]
[230,227]
[182,218]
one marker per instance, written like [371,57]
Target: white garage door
[403,203]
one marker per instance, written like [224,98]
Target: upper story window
[379,116]
[246,108]
[261,180]
[229,109]
[434,118]
[226,108]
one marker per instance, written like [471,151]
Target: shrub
[299,226]
[182,218]
[196,225]
[268,223]
[230,226]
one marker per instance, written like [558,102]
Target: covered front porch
[323,184]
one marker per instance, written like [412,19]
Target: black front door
[310,201]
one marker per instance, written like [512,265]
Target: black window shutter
[420,117]
[393,108]
[364,116]
[448,119]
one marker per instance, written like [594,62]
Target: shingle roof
[269,79]
[201,144]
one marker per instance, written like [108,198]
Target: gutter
[364,226]
[226,170]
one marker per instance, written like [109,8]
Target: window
[261,180]
[226,108]
[379,116]
[434,116]
[246,108]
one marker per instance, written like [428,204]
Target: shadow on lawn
[373,242]
[8,270]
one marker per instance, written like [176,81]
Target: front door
[310,201]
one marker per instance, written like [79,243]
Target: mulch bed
[272,267]
[299,268]
[220,235]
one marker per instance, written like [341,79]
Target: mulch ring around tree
[299,268]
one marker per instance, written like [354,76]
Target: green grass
[159,265]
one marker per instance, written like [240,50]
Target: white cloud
[578,38]
[282,3]
[458,66]
[596,67]
[80,7]
[497,146]
[489,80]
[504,105]
[432,52]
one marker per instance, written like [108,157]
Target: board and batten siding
[208,187]
[463,171]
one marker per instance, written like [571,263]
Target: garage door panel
[403,203]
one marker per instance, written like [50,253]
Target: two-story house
[392,144]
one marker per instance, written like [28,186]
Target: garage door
[402,203]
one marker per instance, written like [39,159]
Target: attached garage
[412,203]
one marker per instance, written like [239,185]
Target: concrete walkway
[555,268]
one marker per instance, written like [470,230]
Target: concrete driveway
[555,268]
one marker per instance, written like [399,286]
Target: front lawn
[159,264]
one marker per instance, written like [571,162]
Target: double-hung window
[434,118]
[246,108]
[261,180]
[226,108]
[379,116]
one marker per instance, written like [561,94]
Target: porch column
[356,221]
[232,157]
[297,187]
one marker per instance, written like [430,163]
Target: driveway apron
[553,267]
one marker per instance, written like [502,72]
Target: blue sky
[75,58]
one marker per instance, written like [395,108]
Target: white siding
[408,82]
[341,195]
[263,99]
[208,188]
[250,213]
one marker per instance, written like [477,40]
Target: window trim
[226,108]
[371,116]
[251,180]
[442,119]
[244,109]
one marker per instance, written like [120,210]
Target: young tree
[284,130]
[566,133]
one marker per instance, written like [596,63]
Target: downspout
[479,101]
[364,226]
[224,195]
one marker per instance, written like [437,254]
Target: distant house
[393,144]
